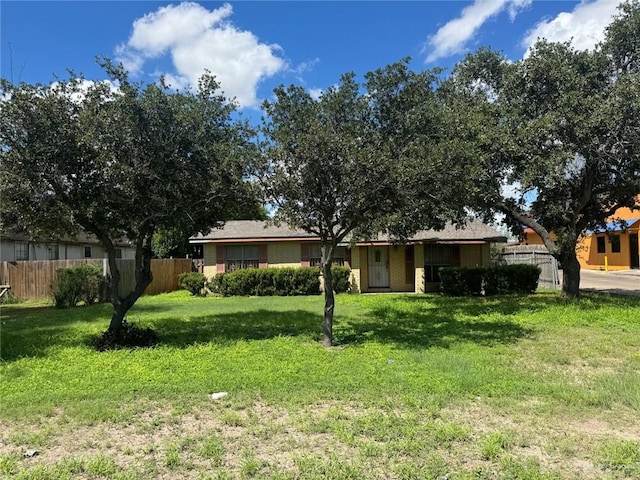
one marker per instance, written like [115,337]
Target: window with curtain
[22,251]
[241,256]
[315,256]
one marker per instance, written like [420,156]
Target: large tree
[120,160]
[353,162]
[557,135]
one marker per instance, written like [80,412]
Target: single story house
[377,265]
[617,247]
[18,248]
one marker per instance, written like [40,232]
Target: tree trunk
[327,248]
[117,317]
[329,304]
[570,274]
[144,277]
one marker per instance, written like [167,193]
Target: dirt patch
[564,445]
[162,443]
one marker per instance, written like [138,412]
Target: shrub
[497,280]
[129,336]
[267,281]
[193,282]
[82,283]
[9,299]
[341,276]
[517,278]
[461,281]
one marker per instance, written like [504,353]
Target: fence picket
[33,279]
[535,255]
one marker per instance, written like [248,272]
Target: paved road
[626,282]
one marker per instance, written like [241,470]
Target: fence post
[105,266]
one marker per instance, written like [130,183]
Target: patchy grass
[417,387]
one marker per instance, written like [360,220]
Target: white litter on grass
[218,395]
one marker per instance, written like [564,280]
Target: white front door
[379,267]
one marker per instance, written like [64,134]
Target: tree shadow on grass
[238,326]
[408,321]
[405,321]
[31,331]
[436,322]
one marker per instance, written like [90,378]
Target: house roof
[615,226]
[251,230]
[80,238]
[260,231]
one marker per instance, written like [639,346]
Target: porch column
[418,255]
[355,270]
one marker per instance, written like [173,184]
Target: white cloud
[584,25]
[78,93]
[452,38]
[306,66]
[197,40]
[316,93]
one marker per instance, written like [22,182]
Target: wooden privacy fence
[165,274]
[33,279]
[534,255]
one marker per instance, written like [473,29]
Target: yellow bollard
[606,264]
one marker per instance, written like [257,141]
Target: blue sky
[254,46]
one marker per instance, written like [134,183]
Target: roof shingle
[258,230]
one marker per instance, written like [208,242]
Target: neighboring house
[376,265]
[618,245]
[15,248]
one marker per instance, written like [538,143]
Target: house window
[315,256]
[87,251]
[615,244]
[242,256]
[54,252]
[22,251]
[118,252]
[600,246]
[438,256]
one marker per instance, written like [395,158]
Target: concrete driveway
[625,282]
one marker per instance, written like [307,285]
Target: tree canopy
[557,135]
[356,162]
[121,162]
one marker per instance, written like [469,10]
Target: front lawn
[417,387]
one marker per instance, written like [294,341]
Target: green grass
[416,387]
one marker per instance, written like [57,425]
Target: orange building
[615,249]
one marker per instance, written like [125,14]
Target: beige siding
[419,261]
[397,267]
[364,269]
[471,255]
[355,270]
[210,267]
[475,255]
[486,255]
[284,254]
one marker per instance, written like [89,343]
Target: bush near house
[517,278]
[277,281]
[82,283]
[341,275]
[266,282]
[193,282]
[461,281]
[497,280]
